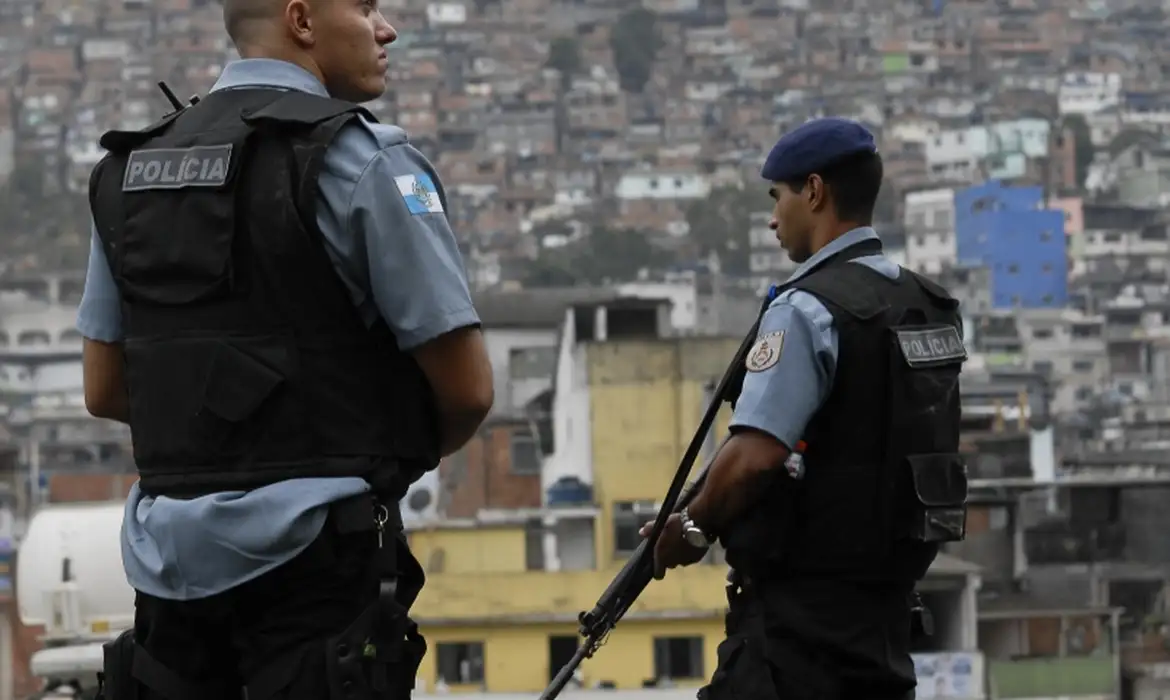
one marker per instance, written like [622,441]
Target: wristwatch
[692,533]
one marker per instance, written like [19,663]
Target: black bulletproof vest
[246,360]
[883,485]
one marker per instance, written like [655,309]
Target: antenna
[170,95]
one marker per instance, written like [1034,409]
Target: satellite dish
[419,500]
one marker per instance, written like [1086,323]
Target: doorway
[560,652]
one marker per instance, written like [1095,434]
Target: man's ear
[815,190]
[298,16]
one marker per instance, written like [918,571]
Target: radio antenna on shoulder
[170,95]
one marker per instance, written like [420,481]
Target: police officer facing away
[857,361]
[276,305]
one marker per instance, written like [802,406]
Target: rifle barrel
[566,673]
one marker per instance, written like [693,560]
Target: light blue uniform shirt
[403,267]
[782,399]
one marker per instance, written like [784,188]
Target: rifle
[613,604]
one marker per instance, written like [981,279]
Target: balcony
[540,596]
[1125,333]
[1066,545]
[1068,677]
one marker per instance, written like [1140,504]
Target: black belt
[366,512]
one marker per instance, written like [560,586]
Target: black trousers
[281,635]
[773,653]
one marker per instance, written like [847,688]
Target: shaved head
[242,17]
[339,41]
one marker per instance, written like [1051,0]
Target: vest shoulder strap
[121,141]
[303,109]
[851,286]
[937,293]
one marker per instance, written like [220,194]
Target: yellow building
[504,589]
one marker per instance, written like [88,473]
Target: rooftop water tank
[570,491]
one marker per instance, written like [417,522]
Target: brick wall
[481,475]
[24,644]
[75,488]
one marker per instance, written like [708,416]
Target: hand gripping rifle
[639,570]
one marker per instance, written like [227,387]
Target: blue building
[1022,244]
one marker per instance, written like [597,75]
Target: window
[525,453]
[1083,366]
[1013,269]
[1042,333]
[998,518]
[678,657]
[534,545]
[1042,367]
[34,338]
[560,652]
[532,363]
[459,663]
[628,518]
[1046,235]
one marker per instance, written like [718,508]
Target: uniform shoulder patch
[420,193]
[177,168]
[765,353]
[931,346]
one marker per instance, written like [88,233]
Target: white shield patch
[765,353]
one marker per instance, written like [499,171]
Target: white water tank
[69,575]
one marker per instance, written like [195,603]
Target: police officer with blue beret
[276,305]
[841,478]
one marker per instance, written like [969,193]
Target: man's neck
[828,234]
[275,53]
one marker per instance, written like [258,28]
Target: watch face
[695,538]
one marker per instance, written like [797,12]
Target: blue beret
[814,146]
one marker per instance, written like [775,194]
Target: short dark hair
[855,182]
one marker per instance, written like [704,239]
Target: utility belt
[377,656]
[741,586]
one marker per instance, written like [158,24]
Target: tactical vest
[247,361]
[883,485]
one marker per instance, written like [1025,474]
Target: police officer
[276,305]
[857,362]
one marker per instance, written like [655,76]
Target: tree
[606,255]
[635,43]
[552,268]
[564,54]
[722,223]
[1082,142]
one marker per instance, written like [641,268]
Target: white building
[1087,93]
[963,154]
[662,185]
[929,217]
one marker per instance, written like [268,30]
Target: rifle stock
[625,588]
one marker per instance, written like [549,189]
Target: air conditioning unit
[421,504]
